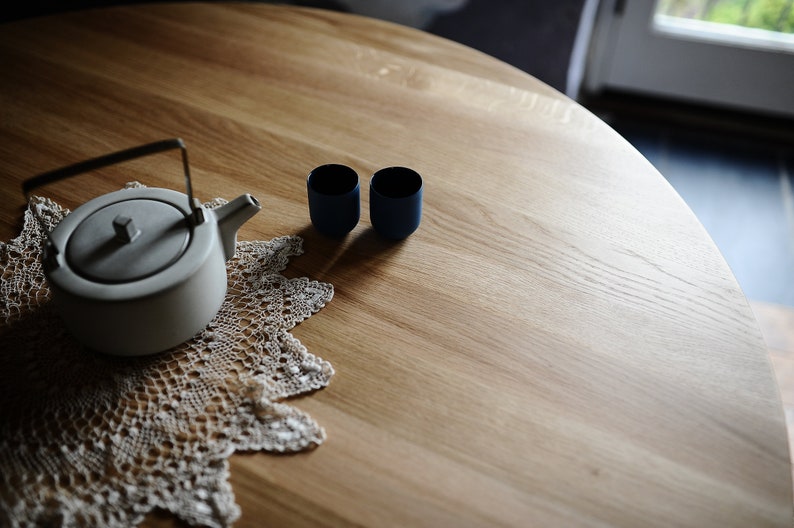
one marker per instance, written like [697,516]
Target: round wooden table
[559,344]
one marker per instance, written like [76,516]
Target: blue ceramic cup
[334,199]
[395,201]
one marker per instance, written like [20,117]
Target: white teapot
[140,270]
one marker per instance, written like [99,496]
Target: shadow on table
[42,367]
[354,259]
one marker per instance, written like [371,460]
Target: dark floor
[738,183]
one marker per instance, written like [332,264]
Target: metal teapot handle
[111,159]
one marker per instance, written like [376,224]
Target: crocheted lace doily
[93,440]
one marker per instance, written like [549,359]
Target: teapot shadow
[42,367]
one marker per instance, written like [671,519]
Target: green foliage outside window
[772,15]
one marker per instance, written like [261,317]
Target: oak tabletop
[559,343]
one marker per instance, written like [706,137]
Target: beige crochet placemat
[93,440]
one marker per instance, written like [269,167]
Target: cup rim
[383,183]
[333,179]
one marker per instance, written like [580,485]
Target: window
[735,53]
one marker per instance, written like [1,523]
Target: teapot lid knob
[125,229]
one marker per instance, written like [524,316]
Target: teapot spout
[231,216]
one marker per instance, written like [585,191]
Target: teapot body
[150,312]
[140,270]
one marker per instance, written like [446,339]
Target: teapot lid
[128,240]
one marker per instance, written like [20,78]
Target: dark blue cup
[395,202]
[334,199]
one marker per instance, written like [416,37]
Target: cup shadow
[352,260]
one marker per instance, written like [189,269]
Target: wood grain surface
[559,344]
